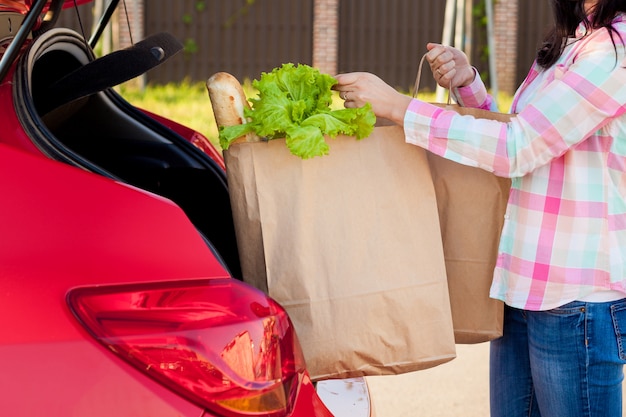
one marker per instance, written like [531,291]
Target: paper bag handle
[419,77]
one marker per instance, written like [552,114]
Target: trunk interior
[101,132]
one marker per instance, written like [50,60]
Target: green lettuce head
[294,103]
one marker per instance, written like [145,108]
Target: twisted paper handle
[419,78]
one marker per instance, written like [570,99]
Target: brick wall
[505,40]
[131,12]
[325,35]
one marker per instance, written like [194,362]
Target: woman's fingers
[359,88]
[449,65]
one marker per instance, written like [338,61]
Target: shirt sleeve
[578,99]
[474,95]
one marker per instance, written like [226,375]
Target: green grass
[188,103]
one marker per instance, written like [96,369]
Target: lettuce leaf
[294,103]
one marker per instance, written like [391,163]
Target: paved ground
[457,388]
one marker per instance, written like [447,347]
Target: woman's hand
[358,88]
[449,65]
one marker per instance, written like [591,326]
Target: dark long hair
[567,16]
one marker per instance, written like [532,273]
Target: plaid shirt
[564,235]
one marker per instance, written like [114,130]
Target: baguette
[229,101]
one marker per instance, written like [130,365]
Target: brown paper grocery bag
[471,211]
[350,245]
[471,205]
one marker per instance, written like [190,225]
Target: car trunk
[65,103]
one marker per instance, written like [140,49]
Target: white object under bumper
[346,397]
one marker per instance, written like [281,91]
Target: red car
[117,248]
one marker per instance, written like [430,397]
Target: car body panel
[43,257]
[104,214]
[12,133]
[96,384]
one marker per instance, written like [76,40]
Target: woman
[561,269]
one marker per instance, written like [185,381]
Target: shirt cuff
[472,95]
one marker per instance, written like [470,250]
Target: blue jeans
[566,362]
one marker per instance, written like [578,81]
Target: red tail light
[219,343]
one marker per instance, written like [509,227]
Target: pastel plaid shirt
[564,235]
